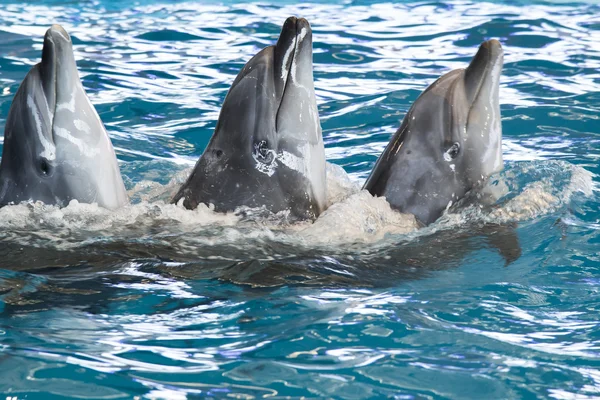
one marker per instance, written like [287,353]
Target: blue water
[158,302]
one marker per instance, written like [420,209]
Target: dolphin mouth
[57,43]
[295,35]
[484,70]
[286,46]
[57,58]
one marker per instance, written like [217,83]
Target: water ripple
[211,305]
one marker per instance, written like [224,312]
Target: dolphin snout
[56,43]
[484,69]
[295,24]
[302,23]
[285,49]
[288,31]
[55,40]
[294,31]
[58,60]
[303,33]
[493,50]
[58,34]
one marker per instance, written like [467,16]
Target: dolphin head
[55,146]
[267,148]
[448,143]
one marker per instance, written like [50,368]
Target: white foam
[353,216]
[339,184]
[359,218]
[551,186]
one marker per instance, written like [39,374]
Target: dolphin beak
[485,68]
[284,54]
[57,58]
[292,59]
[303,41]
[287,36]
[295,33]
[58,34]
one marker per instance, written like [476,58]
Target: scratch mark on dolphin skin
[47,108]
[302,34]
[295,61]
[266,168]
[447,156]
[294,162]
[81,126]
[70,105]
[49,152]
[286,56]
[81,145]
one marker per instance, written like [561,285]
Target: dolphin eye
[454,150]
[45,167]
[263,153]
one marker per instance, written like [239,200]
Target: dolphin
[449,142]
[55,146]
[267,148]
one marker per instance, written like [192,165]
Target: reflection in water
[161,302]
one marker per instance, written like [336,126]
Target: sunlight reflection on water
[177,314]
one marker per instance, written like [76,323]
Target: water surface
[159,302]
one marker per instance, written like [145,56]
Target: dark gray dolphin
[267,148]
[55,146]
[449,142]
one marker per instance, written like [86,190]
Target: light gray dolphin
[449,142]
[267,148]
[55,146]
